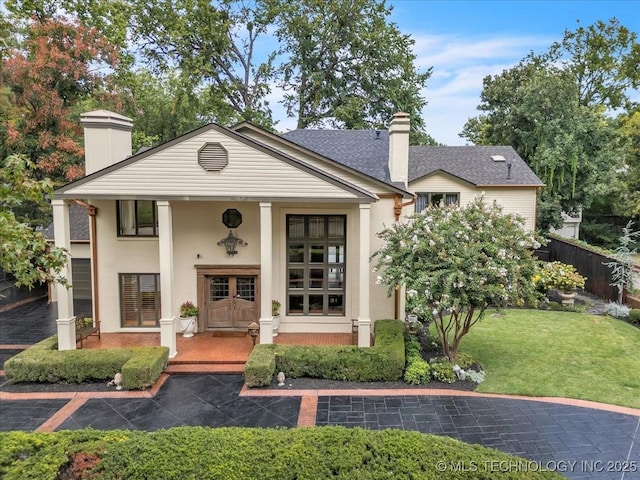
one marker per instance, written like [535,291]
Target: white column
[165,244]
[266,273]
[364,320]
[66,321]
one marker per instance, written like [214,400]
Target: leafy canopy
[556,110]
[455,262]
[24,252]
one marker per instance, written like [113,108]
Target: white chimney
[399,147]
[107,139]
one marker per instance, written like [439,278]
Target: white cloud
[459,66]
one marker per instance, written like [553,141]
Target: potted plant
[188,318]
[561,277]
[275,313]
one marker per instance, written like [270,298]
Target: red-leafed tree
[58,69]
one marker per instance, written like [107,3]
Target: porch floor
[204,348]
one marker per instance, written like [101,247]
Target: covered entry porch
[209,353]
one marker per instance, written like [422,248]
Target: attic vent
[213,157]
[497,158]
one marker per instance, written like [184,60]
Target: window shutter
[213,157]
[130,300]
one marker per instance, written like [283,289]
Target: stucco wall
[115,256]
[197,227]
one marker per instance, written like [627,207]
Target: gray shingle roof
[362,150]
[78,224]
[365,151]
[472,164]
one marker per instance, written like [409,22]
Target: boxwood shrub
[254,453]
[42,362]
[383,361]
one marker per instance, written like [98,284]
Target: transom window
[316,264]
[137,218]
[140,299]
[425,200]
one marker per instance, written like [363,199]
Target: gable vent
[497,158]
[213,157]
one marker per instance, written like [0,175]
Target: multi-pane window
[425,200]
[140,299]
[316,264]
[137,218]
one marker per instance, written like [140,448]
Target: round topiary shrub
[634,316]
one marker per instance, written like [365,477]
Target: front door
[231,301]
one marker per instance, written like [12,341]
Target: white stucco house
[301,210]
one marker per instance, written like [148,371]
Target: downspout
[398,205]
[93,211]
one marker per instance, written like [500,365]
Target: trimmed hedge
[248,453]
[42,362]
[383,361]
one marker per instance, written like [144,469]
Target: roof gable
[472,164]
[254,171]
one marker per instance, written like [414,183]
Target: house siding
[326,166]
[174,171]
[520,200]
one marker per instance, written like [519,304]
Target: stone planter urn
[188,326]
[568,296]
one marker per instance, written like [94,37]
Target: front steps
[177,367]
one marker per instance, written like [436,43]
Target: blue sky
[464,41]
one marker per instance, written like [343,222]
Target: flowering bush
[188,309]
[275,308]
[558,275]
[457,261]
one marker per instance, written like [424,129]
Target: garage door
[81,278]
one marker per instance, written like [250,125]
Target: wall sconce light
[254,330]
[230,243]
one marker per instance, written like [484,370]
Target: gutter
[398,205]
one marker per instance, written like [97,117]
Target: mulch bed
[290,384]
[29,387]
[305,383]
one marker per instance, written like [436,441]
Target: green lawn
[558,354]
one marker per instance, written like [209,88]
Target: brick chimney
[399,147]
[107,139]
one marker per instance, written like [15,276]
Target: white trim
[65,323]
[165,246]
[364,319]
[266,272]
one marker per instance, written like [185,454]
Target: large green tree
[602,58]
[346,65]
[340,63]
[553,109]
[213,45]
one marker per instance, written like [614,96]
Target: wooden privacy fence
[588,263]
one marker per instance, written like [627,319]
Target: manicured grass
[558,354]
